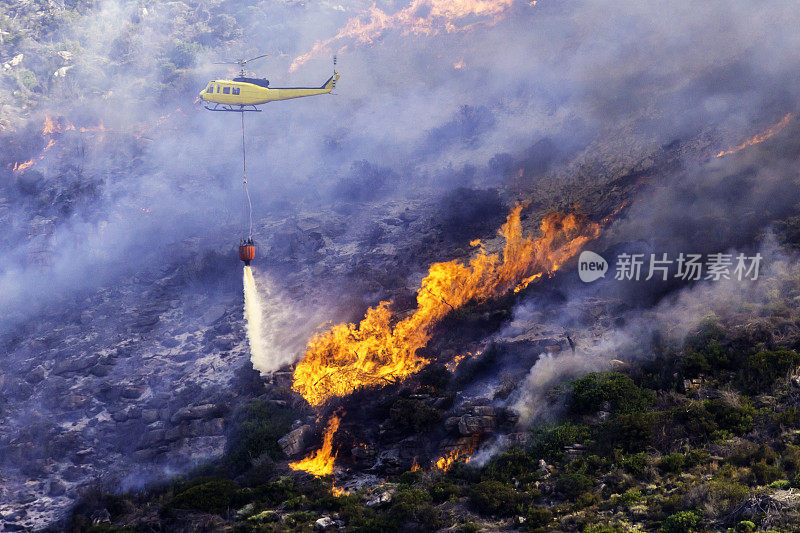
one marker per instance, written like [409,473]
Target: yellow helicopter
[244,94]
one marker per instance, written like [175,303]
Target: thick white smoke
[730,302]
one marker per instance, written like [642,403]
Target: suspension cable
[244,183]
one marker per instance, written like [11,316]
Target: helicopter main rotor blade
[254,58]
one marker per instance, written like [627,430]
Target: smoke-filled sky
[433,94]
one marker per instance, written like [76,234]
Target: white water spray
[277,331]
[254,315]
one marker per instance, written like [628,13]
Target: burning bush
[382,349]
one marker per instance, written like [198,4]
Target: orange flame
[420,17]
[452,365]
[18,168]
[320,463]
[761,137]
[99,127]
[50,126]
[446,461]
[383,350]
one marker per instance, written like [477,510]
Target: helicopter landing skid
[233,108]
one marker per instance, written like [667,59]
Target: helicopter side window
[236,90]
[217,89]
[226,90]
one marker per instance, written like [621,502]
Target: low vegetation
[703,439]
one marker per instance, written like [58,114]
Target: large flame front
[320,463]
[420,17]
[759,138]
[382,350]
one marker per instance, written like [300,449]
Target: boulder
[56,488]
[380,499]
[193,412]
[75,365]
[476,425]
[294,442]
[131,392]
[151,437]
[324,523]
[35,375]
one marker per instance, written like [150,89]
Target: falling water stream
[254,315]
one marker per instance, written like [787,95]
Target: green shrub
[762,370]
[780,484]
[636,464]
[694,364]
[673,463]
[590,392]
[413,415]
[409,477]
[414,505]
[276,492]
[494,498]
[630,497]
[745,526]
[681,522]
[27,79]
[514,465]
[215,496]
[765,473]
[709,359]
[603,528]
[256,430]
[549,442]
[442,491]
[630,432]
[738,419]
[299,518]
[790,458]
[789,417]
[725,496]
[538,517]
[573,485]
[694,420]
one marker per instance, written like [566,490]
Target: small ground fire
[321,462]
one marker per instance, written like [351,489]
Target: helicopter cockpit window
[236,90]
[210,88]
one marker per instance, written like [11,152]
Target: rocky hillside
[473,150]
